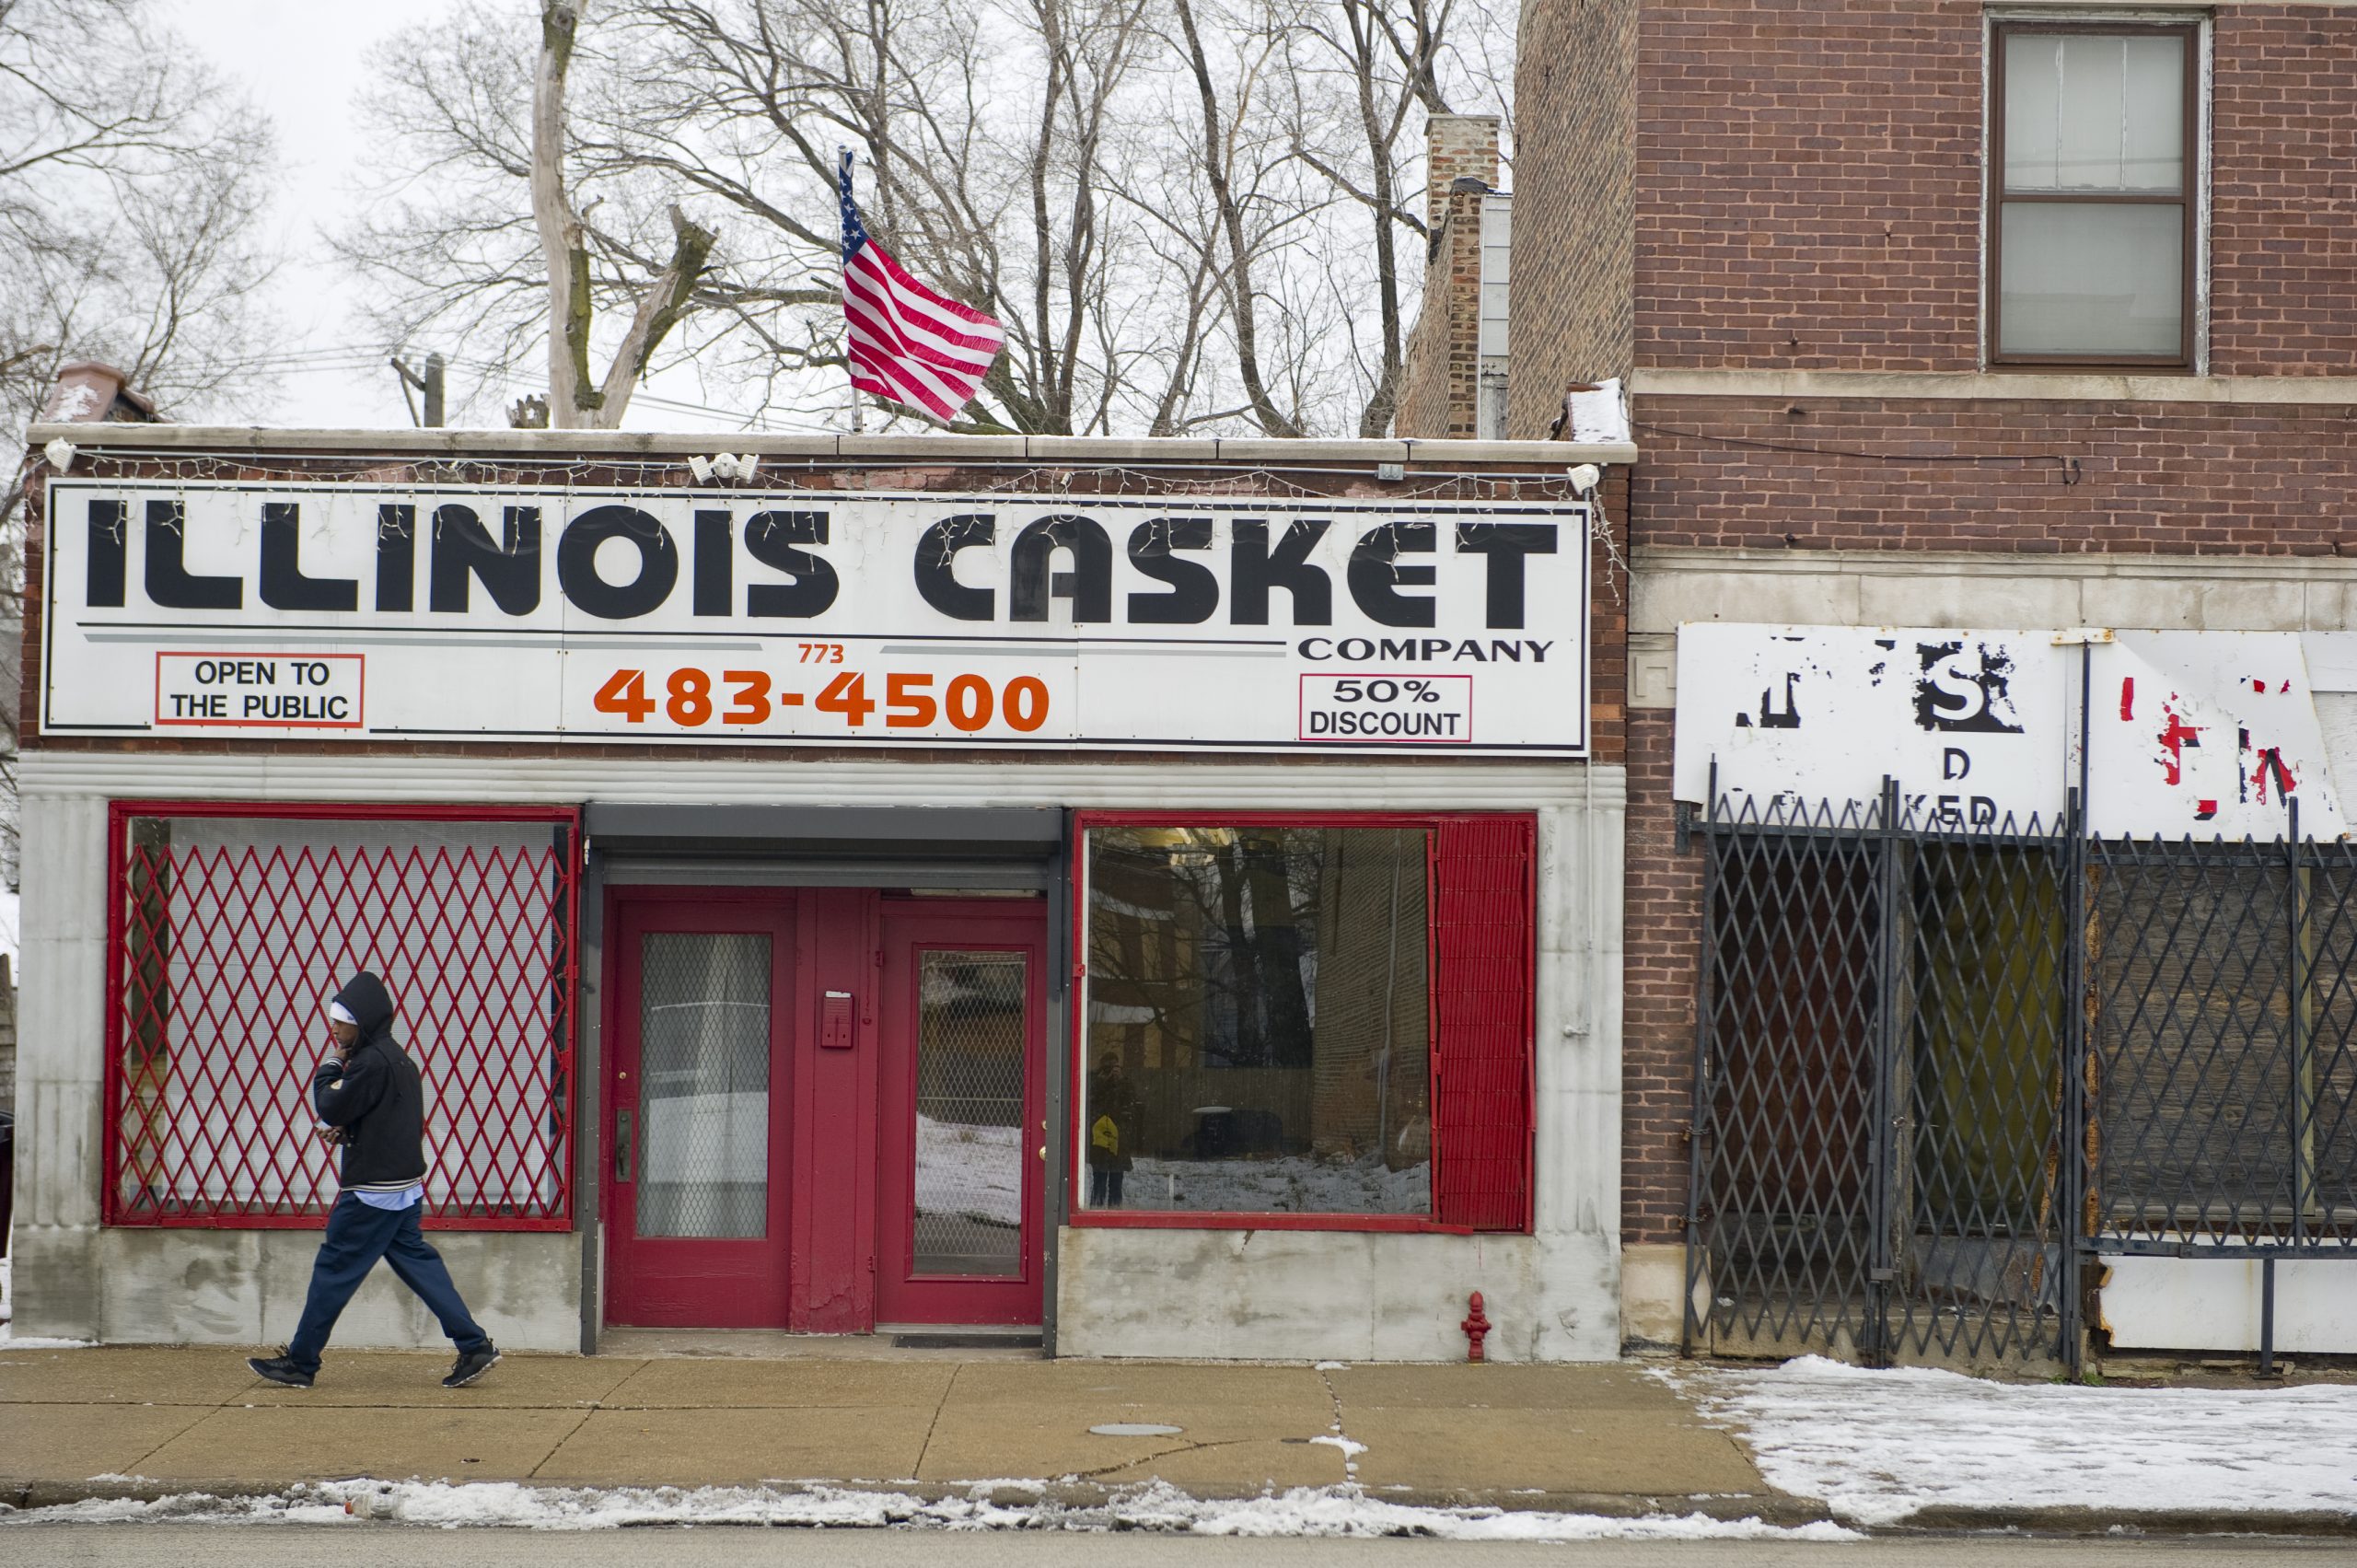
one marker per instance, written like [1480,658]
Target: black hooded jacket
[374,1095]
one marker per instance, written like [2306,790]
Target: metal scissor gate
[1943,1068]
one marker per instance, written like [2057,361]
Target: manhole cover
[1136,1429]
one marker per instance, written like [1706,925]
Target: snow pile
[1877,1446]
[1285,1184]
[1320,1511]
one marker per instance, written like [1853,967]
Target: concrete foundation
[246,1287]
[1332,1295]
[1652,1294]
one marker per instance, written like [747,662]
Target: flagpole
[858,423]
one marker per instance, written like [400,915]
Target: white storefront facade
[1158,897]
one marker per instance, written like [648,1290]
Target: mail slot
[834,1021]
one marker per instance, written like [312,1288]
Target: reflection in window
[1258,1033]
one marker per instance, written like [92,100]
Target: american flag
[908,343]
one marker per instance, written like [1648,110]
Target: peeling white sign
[2188,732]
[1802,719]
[2207,732]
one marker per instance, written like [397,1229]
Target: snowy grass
[1878,1446]
[1322,1511]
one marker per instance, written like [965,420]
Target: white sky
[303,62]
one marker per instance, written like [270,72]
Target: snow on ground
[1296,1184]
[974,1172]
[1322,1511]
[1878,1445]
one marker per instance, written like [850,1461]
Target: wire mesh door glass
[704,1089]
[969,1049]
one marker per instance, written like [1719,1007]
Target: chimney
[1441,385]
[1456,146]
[91,393]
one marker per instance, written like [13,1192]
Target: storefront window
[233,930]
[1259,1023]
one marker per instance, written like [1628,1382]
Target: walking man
[371,1104]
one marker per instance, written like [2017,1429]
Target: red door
[698,1115]
[962,1118]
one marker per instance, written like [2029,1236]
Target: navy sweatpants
[358,1235]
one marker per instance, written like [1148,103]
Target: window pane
[2092,279]
[970,1112]
[2153,144]
[2094,112]
[705,1085]
[1259,1028]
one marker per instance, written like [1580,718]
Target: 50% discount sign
[1413,709]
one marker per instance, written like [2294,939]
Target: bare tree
[564,251]
[1152,195]
[131,182]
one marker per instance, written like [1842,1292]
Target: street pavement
[1595,1438]
[364,1546]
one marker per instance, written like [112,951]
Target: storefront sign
[787,617]
[2186,732]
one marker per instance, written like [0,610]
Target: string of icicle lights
[755,474]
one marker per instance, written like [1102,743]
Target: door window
[969,1169]
[704,1093]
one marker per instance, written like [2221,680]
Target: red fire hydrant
[1475,1327]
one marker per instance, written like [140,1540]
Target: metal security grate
[1877,1168]
[2224,1046]
[1941,1068]
[229,931]
[970,1008]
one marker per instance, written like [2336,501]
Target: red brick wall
[2283,192]
[1809,186]
[1574,202]
[2150,478]
[1662,940]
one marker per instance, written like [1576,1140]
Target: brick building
[2034,316]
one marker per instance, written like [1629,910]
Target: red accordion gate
[231,926]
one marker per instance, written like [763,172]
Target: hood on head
[371,1005]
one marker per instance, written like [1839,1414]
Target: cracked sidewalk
[1597,1438]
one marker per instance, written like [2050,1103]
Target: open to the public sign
[808,617]
[235,690]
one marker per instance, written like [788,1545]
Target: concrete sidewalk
[147,1421]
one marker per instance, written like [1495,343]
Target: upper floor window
[2091,221]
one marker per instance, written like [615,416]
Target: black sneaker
[471,1364]
[279,1369]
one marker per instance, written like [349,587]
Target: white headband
[342,1015]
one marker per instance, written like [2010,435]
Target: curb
[1773,1508]
[2098,1522]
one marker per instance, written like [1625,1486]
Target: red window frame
[1484,1165]
[557,1215]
